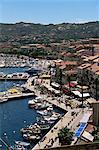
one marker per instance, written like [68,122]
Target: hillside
[38,33]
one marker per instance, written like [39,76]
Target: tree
[65,136]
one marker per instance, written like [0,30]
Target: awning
[13,91]
[77,93]
[55,84]
[65,90]
[72,84]
[56,92]
[90,100]
[80,94]
[85,118]
[87,136]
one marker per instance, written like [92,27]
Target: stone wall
[89,146]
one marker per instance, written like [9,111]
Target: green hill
[38,33]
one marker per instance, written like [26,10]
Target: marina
[9,132]
[19,107]
[36,110]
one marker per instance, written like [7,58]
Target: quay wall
[88,146]
[12,79]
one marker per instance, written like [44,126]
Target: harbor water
[14,114]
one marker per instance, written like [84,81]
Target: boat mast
[8,147]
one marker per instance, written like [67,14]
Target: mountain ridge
[51,32]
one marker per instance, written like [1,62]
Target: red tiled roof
[62,63]
[89,128]
[94,68]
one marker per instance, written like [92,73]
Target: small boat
[26,136]
[56,115]
[52,118]
[2,75]
[19,147]
[25,130]
[38,98]
[32,129]
[50,108]
[22,65]
[33,71]
[41,121]
[38,105]
[42,112]
[44,126]
[31,103]
[3,100]
[31,137]
[25,144]
[34,103]
[34,137]
[43,106]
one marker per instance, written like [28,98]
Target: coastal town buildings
[88,74]
[58,76]
[65,69]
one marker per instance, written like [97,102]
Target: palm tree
[65,136]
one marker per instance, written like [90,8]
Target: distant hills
[38,33]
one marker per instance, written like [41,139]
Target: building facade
[96,113]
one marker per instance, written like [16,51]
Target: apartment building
[88,74]
[65,69]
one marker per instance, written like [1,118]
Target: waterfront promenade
[29,86]
[71,118]
[71,121]
[51,138]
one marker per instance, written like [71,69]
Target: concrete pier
[7,97]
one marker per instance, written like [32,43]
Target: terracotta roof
[96,60]
[65,63]
[89,128]
[91,58]
[62,67]
[94,68]
[97,73]
[82,50]
[84,66]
